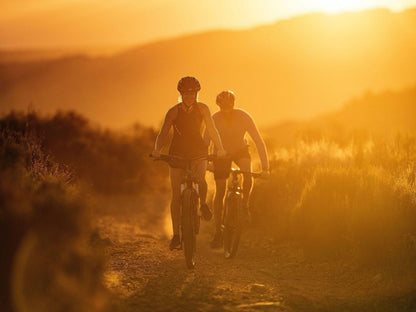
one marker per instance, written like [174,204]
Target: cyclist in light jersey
[187,119]
[233,124]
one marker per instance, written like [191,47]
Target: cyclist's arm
[206,137]
[258,140]
[210,128]
[162,137]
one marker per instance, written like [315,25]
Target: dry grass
[357,200]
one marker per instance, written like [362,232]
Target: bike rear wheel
[189,226]
[232,224]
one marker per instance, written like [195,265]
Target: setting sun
[285,134]
[331,6]
[336,6]
[92,23]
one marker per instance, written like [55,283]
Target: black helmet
[188,84]
[226,98]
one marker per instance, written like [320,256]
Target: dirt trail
[143,275]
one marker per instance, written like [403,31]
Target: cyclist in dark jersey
[187,119]
[233,124]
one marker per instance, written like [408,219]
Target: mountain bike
[190,218]
[234,213]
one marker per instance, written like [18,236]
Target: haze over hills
[35,55]
[385,115]
[296,68]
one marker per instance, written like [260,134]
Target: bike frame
[233,212]
[190,219]
[234,186]
[188,181]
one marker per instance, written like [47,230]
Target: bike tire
[189,228]
[232,224]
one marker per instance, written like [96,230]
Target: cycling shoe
[206,212]
[175,242]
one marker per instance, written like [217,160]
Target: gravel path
[143,275]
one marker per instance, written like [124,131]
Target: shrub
[106,161]
[363,211]
[47,263]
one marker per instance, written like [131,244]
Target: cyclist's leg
[221,172]
[176,175]
[245,165]
[220,185]
[199,168]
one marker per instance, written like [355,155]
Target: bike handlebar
[253,174]
[238,171]
[167,158]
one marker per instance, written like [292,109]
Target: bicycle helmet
[226,98]
[188,84]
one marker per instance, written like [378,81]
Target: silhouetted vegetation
[47,262]
[105,161]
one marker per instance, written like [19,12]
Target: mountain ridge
[382,115]
[296,68]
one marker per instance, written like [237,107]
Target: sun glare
[335,6]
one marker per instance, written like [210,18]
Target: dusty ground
[143,275]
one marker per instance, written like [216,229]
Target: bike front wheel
[189,227]
[232,224]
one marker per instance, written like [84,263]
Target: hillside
[296,68]
[382,114]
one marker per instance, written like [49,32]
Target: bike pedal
[176,248]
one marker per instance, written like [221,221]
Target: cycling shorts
[222,166]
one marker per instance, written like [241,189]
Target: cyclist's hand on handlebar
[265,174]
[222,154]
[210,167]
[155,154]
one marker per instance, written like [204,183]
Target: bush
[273,200]
[355,199]
[47,262]
[105,161]
[363,211]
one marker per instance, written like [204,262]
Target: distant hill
[386,113]
[25,56]
[296,68]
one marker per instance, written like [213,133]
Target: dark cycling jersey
[187,138]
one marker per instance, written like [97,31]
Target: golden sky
[77,23]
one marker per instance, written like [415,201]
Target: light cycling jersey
[233,127]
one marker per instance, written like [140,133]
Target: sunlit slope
[384,114]
[292,69]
